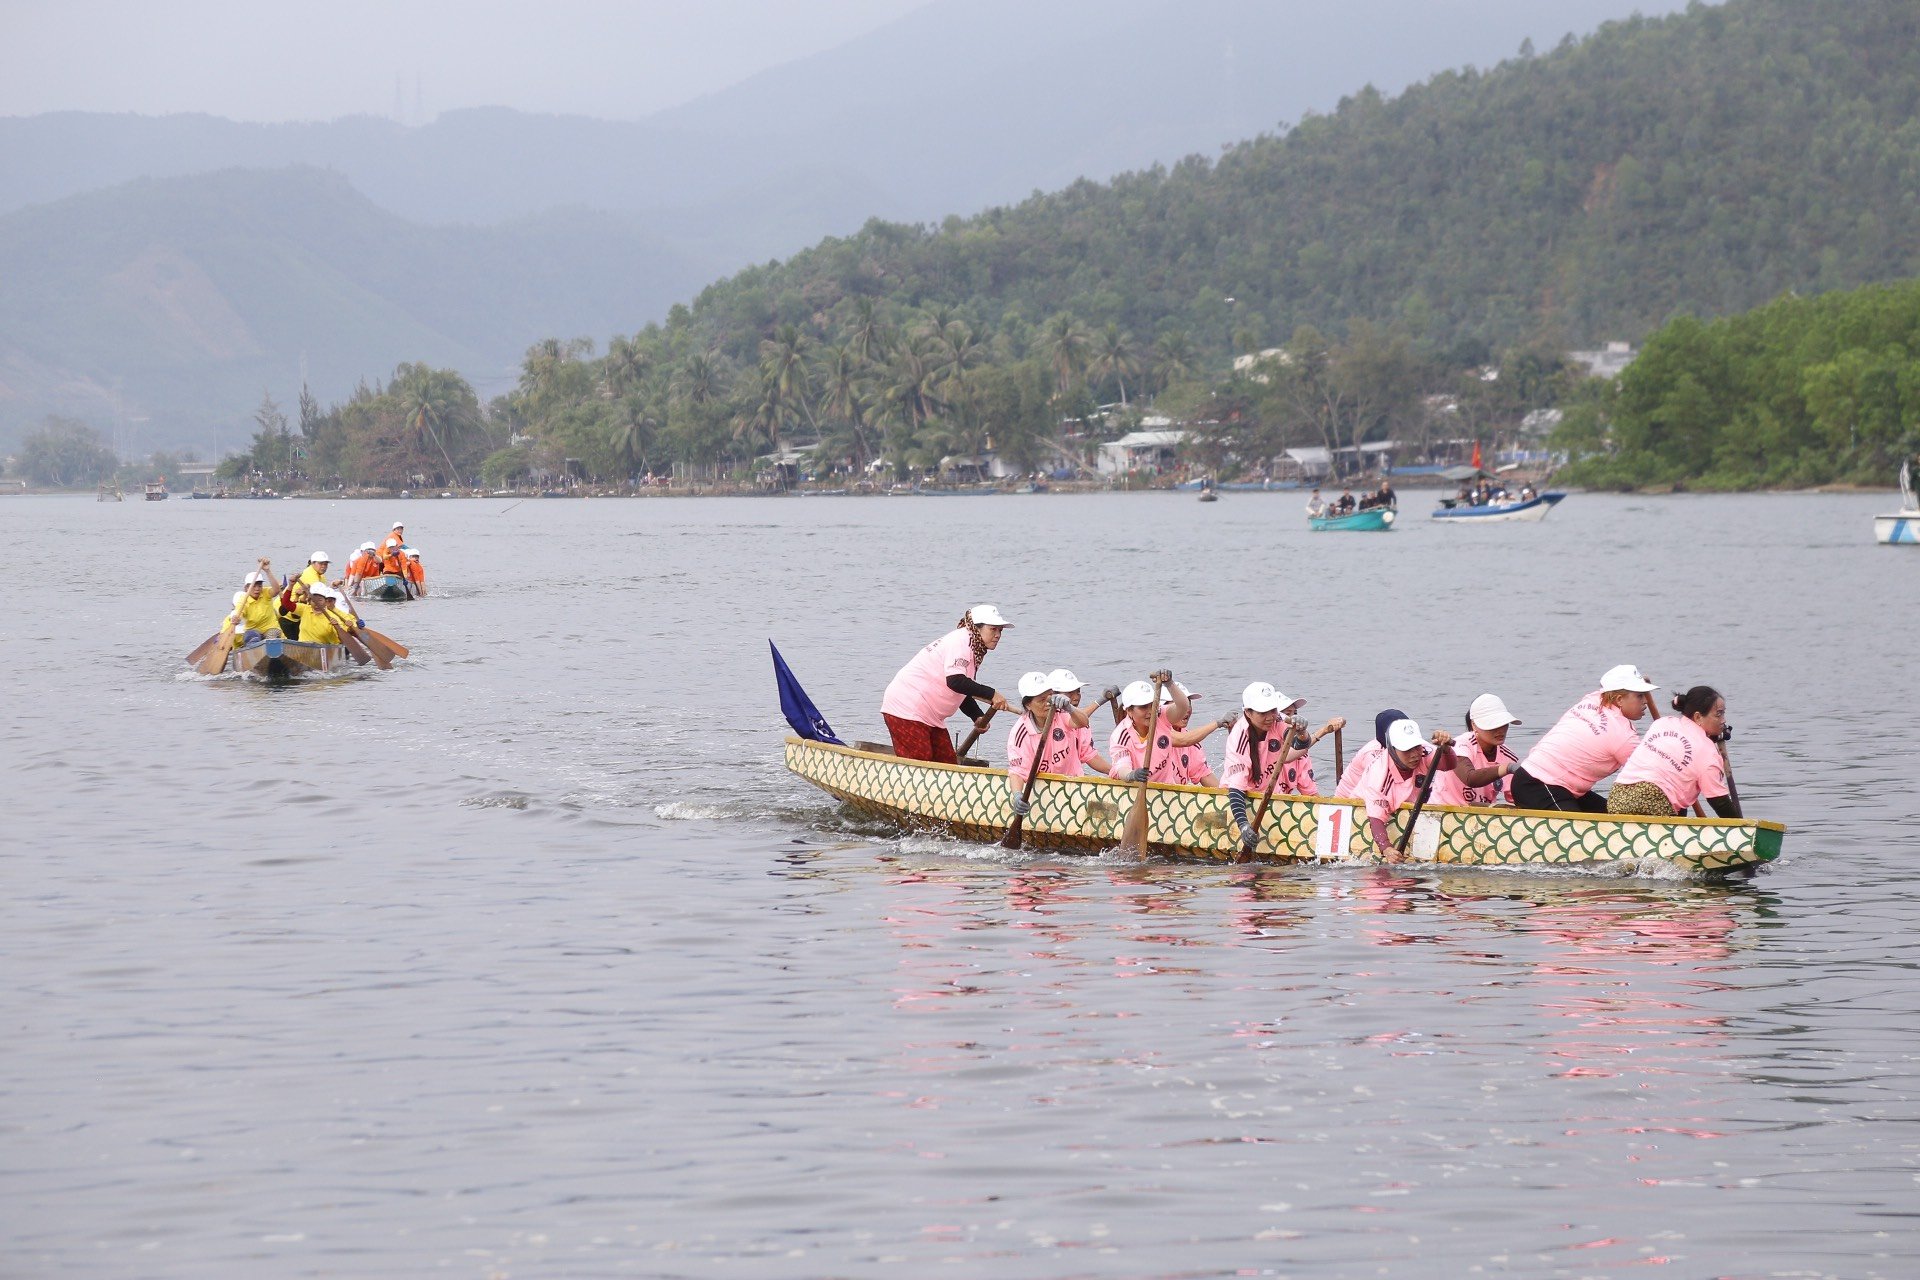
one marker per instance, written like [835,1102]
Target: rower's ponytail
[1697,701]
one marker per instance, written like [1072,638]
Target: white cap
[1626,678]
[368,546]
[414,552]
[320,589]
[1034,682]
[1403,735]
[319,555]
[1137,694]
[255,576]
[399,524]
[1166,694]
[984,615]
[1261,696]
[1061,680]
[1489,713]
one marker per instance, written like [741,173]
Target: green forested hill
[1703,163]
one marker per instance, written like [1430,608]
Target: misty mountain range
[169,269]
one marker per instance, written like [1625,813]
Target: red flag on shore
[1476,455]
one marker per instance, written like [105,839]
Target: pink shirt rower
[1357,766]
[1126,752]
[1236,767]
[1678,757]
[1065,755]
[1589,742]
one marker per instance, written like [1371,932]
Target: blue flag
[797,707]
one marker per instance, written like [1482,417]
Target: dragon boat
[388,586]
[1193,824]
[277,659]
[1372,520]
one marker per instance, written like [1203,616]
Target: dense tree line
[1799,392]
[1699,163]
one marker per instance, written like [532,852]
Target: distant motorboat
[1372,520]
[1514,511]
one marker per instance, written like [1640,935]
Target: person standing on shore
[938,681]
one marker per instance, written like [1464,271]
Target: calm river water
[528,959]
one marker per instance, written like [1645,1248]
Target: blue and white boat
[1517,509]
[1903,526]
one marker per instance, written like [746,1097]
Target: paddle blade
[380,658]
[394,647]
[216,661]
[1012,839]
[203,648]
[1133,836]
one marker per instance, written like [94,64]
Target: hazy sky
[275,60]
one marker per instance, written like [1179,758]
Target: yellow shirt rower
[257,608]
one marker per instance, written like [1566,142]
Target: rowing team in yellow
[1676,766]
[307,608]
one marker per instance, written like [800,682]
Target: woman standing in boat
[1678,762]
[938,681]
[1593,739]
[1066,752]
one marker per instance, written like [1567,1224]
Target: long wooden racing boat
[388,586]
[1084,815]
[277,659]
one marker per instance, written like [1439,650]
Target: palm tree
[1064,342]
[433,404]
[1174,358]
[783,362]
[624,366]
[699,381]
[1113,358]
[867,337]
[633,433]
[843,398]
[957,351]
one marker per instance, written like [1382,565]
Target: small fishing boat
[1903,526]
[277,659]
[1208,495]
[1519,509]
[156,491]
[1372,520]
[388,586]
[1193,824]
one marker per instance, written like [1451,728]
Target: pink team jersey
[1190,764]
[1125,752]
[919,690]
[1357,766]
[1678,757]
[1236,767]
[1471,755]
[1589,742]
[1385,788]
[1067,750]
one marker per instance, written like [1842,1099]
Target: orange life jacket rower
[395,540]
[414,573]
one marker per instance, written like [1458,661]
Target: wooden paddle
[1133,835]
[193,659]
[357,647]
[1012,839]
[1339,757]
[394,647]
[216,660]
[1726,762]
[979,727]
[1266,795]
[1420,801]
